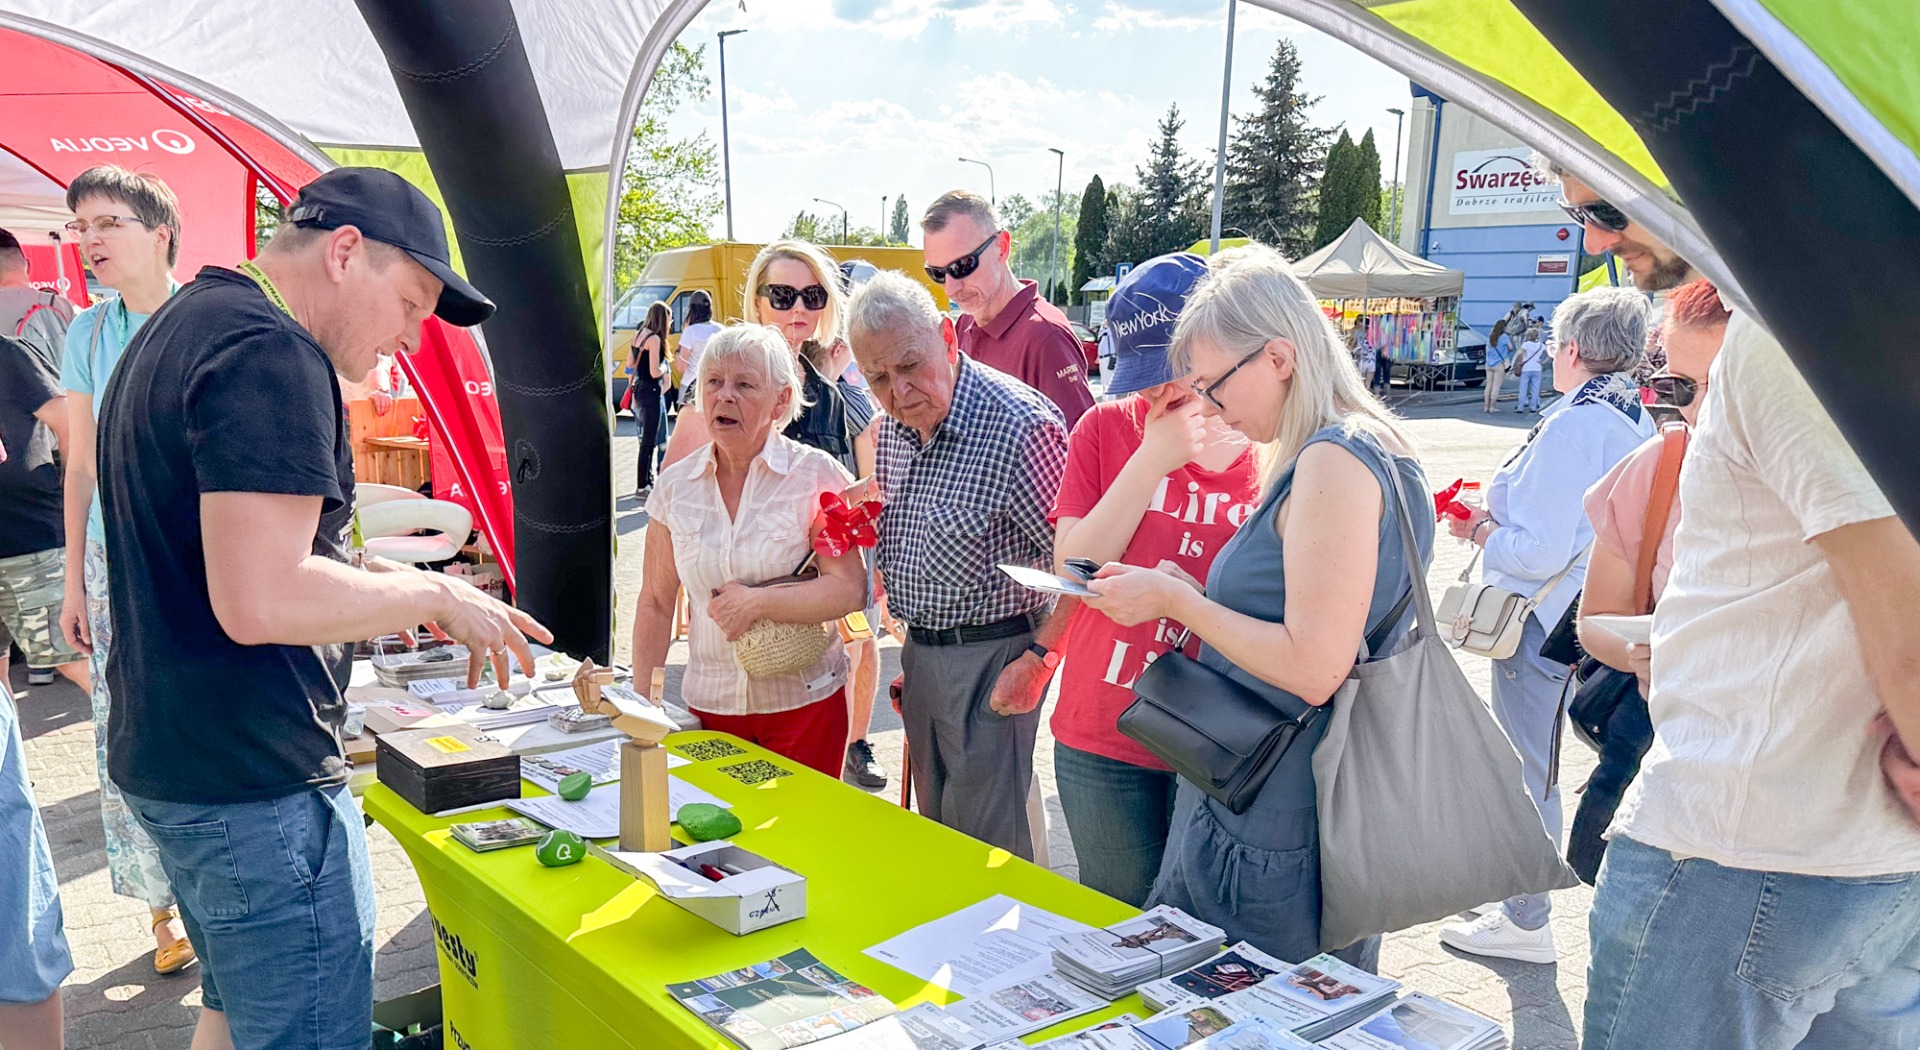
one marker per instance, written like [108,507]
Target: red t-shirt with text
[1193,514]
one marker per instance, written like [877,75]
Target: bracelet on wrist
[1484,523]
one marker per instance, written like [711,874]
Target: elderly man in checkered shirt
[969,462]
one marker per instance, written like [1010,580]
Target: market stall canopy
[1361,264]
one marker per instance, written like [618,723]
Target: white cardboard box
[762,894]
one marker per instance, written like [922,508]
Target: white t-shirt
[1762,757]
[1533,355]
[692,342]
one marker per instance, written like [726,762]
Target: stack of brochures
[1314,999]
[1234,970]
[786,1002]
[1114,961]
[1423,1022]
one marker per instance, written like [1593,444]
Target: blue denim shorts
[33,943]
[277,898]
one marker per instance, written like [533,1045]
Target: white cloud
[1118,16]
[901,19]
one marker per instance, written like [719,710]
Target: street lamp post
[1220,151]
[1393,219]
[726,157]
[992,197]
[881,229]
[843,216]
[1053,265]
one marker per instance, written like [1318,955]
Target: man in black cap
[228,486]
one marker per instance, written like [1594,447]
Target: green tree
[1274,159]
[1014,209]
[1129,233]
[1169,210]
[670,193]
[898,235]
[1033,240]
[807,226]
[1089,237]
[1367,181]
[1345,193]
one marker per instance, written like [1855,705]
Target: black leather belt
[986,632]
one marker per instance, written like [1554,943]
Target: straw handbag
[770,649]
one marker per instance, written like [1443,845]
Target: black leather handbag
[1222,736]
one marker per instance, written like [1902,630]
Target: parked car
[1089,345]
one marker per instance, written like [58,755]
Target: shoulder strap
[1666,485]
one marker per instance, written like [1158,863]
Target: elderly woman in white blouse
[739,511]
[1534,529]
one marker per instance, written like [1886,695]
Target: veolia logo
[165,139]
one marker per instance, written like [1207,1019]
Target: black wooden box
[447,767]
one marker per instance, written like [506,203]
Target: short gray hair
[959,202]
[766,349]
[1607,327]
[893,304]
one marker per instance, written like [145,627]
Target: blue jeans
[1687,953]
[1118,815]
[277,898]
[1526,702]
[1530,391]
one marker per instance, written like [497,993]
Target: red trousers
[814,735]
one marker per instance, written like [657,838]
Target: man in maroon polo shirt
[1007,326]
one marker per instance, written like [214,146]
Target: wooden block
[657,692]
[646,822]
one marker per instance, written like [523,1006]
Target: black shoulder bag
[1224,737]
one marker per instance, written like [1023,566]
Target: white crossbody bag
[1486,620]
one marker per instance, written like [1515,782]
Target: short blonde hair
[764,347]
[1251,296]
[824,269]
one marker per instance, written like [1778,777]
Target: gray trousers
[1526,702]
[972,768]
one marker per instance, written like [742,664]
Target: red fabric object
[62,271]
[839,528]
[1194,514]
[1030,341]
[814,736]
[469,449]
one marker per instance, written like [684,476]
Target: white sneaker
[1478,910]
[1494,935]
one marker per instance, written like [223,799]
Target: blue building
[1476,202]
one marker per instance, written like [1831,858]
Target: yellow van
[720,270]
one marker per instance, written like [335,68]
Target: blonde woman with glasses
[1290,598]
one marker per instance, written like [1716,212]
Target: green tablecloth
[580,956]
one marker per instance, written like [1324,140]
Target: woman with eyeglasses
[1618,505]
[1290,599]
[128,226]
[1535,535]
[646,361]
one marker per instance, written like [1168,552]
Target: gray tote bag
[1423,812]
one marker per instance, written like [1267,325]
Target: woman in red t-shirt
[1150,480]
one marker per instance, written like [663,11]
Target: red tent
[62,112]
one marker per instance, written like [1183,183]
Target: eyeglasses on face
[783,296]
[1597,213]
[1210,389]
[103,224]
[962,268]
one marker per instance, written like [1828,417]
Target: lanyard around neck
[266,285]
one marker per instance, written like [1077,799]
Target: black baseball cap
[387,208]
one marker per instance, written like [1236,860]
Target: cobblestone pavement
[114,1000]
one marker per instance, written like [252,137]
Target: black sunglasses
[1597,213]
[962,268]
[783,296]
[1670,389]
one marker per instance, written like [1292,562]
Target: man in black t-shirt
[227,482]
[33,424]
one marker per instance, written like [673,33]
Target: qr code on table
[708,750]
[758,771]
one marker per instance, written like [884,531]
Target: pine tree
[1168,212]
[1350,190]
[1089,237]
[898,234]
[1273,160]
[1367,181]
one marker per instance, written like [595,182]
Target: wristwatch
[1048,657]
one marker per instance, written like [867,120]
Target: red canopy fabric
[61,271]
[62,112]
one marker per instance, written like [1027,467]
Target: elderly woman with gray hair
[735,513]
[1535,535]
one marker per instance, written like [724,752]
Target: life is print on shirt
[1191,506]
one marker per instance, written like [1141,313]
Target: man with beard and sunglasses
[1006,325]
[1767,857]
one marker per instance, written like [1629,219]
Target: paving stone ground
[114,999]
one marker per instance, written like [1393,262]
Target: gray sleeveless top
[1250,577]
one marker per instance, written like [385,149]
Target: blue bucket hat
[1141,316]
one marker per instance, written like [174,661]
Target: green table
[581,955]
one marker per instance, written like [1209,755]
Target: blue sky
[851,100]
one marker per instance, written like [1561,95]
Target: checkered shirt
[974,497]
